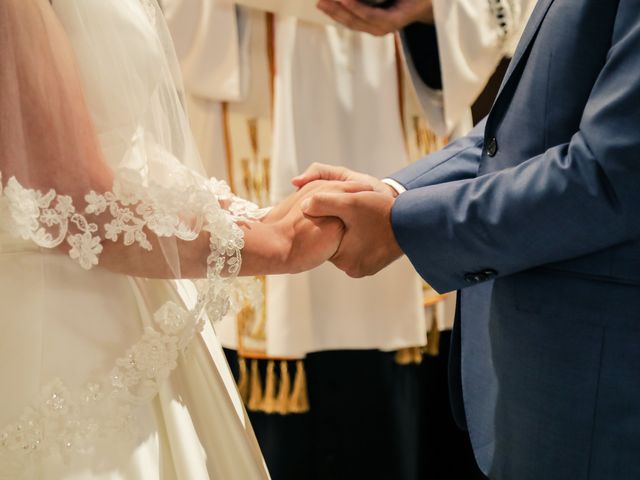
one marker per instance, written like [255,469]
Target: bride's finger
[320,171]
[349,186]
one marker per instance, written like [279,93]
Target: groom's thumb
[326,205]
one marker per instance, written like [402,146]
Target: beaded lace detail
[49,219]
[65,421]
[153,195]
[68,420]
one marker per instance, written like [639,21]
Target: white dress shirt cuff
[395,185]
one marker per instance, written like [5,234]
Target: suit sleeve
[458,160]
[575,199]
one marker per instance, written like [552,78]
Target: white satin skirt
[69,339]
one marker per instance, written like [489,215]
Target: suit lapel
[529,34]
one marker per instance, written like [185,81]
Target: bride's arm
[291,245]
[48,144]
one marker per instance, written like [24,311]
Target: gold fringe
[284,400]
[299,401]
[244,317]
[409,356]
[282,403]
[266,172]
[417,355]
[246,177]
[243,380]
[252,125]
[402,357]
[255,395]
[433,339]
[269,399]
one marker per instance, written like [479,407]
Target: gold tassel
[244,320]
[247,181]
[299,401]
[409,356]
[243,380]
[282,403]
[255,395]
[417,129]
[266,171]
[252,124]
[403,357]
[433,339]
[269,399]
[417,355]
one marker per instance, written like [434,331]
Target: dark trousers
[370,419]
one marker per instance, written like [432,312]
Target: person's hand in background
[377,21]
[321,171]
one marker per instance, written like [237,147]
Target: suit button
[478,277]
[472,278]
[489,273]
[492,147]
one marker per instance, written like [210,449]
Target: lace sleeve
[97,164]
[96,156]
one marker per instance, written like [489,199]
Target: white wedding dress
[104,375]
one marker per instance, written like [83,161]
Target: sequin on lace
[49,219]
[66,420]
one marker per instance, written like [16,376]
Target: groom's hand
[320,171]
[369,243]
[310,241]
[310,187]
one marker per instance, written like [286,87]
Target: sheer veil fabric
[105,374]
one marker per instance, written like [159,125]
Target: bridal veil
[109,369]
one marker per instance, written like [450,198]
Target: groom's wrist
[282,244]
[394,187]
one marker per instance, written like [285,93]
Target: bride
[109,366]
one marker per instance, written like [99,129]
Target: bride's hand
[287,241]
[280,210]
[309,241]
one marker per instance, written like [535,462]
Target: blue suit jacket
[543,199]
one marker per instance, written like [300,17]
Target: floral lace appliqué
[66,421]
[46,220]
[49,219]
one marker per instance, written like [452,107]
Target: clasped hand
[340,216]
[356,15]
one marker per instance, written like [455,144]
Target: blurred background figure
[342,378]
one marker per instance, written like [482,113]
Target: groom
[543,199]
